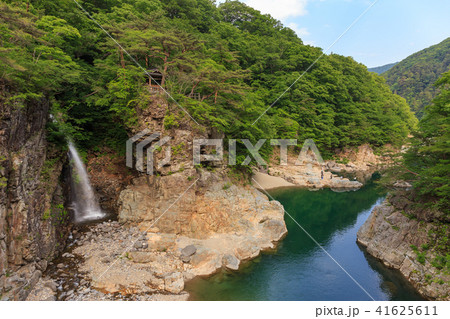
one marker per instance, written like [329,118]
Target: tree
[429,156]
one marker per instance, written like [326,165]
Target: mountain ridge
[382,68]
[413,78]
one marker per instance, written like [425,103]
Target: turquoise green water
[299,269]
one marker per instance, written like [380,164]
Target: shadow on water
[299,269]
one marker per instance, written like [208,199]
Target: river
[299,269]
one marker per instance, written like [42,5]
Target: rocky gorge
[140,259]
[162,231]
[181,223]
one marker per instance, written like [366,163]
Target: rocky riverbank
[95,248]
[163,239]
[409,240]
[360,163]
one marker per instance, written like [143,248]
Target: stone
[174,283]
[277,228]
[199,235]
[402,184]
[185,259]
[230,262]
[188,251]
[141,257]
[247,250]
[35,278]
[60,266]
[205,262]
[42,265]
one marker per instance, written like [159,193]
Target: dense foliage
[237,59]
[428,160]
[414,77]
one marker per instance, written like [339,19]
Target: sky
[388,32]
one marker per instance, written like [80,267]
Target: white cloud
[301,32]
[280,9]
[283,10]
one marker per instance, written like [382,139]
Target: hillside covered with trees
[428,158]
[383,68]
[234,60]
[414,77]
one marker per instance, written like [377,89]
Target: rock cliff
[410,240]
[32,216]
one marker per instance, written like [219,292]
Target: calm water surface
[299,269]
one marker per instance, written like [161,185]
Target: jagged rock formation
[404,238]
[32,217]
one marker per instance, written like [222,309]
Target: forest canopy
[236,59]
[414,78]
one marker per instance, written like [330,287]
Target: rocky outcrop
[309,175]
[32,217]
[405,240]
[168,235]
[360,164]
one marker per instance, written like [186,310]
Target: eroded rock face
[213,225]
[31,197]
[211,206]
[390,235]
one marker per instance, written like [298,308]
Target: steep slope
[414,77]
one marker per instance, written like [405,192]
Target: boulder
[52,285]
[141,257]
[188,251]
[174,283]
[185,259]
[230,262]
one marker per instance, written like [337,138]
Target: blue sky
[389,32]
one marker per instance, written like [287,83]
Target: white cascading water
[84,203]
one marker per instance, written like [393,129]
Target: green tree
[429,157]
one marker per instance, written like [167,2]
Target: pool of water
[299,269]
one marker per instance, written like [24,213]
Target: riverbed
[300,270]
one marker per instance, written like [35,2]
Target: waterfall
[84,203]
